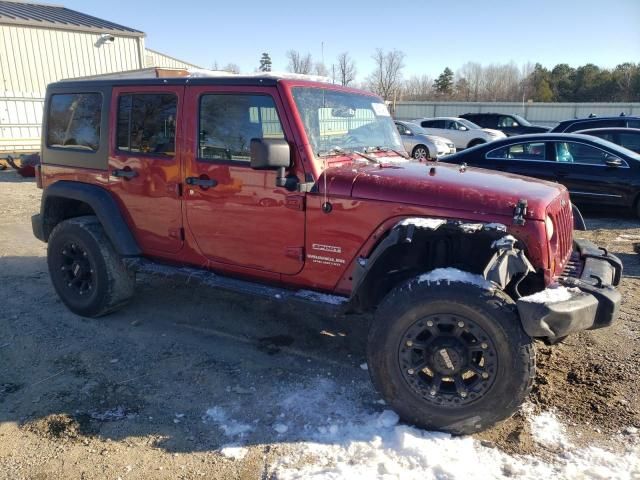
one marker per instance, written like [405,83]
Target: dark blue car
[596,172]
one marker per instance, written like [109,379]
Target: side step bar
[333,304]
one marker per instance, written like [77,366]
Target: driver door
[236,214]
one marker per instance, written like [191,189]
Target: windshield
[468,124]
[336,121]
[522,121]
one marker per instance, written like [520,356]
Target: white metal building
[40,44]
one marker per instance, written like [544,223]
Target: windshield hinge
[520,211]
[305,187]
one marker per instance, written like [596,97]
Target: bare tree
[321,69]
[231,68]
[386,79]
[299,63]
[472,72]
[418,88]
[346,69]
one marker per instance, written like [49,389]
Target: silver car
[421,145]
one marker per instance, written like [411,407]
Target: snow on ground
[325,432]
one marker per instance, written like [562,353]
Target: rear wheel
[86,272]
[420,152]
[450,357]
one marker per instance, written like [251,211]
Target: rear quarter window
[73,121]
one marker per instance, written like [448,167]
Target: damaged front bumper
[592,300]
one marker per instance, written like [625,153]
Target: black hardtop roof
[224,80]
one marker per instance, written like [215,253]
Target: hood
[494,133]
[443,186]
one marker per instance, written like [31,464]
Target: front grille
[562,215]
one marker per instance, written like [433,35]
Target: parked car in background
[591,122]
[596,172]
[625,137]
[463,133]
[509,124]
[421,145]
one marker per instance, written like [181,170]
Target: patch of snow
[321,297]
[551,294]
[235,451]
[280,428]
[364,366]
[453,275]
[230,427]
[331,436]
[501,227]
[547,430]
[471,227]
[419,222]
[205,73]
[505,243]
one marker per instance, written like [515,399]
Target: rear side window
[73,121]
[520,151]
[147,124]
[229,122]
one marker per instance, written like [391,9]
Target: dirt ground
[134,395]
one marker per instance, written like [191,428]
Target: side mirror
[613,162]
[462,128]
[270,153]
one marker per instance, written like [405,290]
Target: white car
[462,132]
[422,146]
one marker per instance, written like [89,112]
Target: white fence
[540,113]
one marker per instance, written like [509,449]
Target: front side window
[73,121]
[228,122]
[402,129]
[570,152]
[344,120]
[507,122]
[520,151]
[147,123]
[433,124]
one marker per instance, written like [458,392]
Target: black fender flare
[102,203]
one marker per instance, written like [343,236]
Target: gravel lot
[191,382]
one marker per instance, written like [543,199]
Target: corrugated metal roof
[57,16]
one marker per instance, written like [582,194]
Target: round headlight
[549,224]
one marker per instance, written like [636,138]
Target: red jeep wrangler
[300,190]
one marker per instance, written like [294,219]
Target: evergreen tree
[443,85]
[265,63]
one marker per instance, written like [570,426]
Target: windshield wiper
[342,151]
[387,149]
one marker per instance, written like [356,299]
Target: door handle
[201,182]
[125,173]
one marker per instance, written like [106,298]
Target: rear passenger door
[144,164]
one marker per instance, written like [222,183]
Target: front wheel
[421,153]
[450,357]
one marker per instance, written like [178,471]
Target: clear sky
[433,34]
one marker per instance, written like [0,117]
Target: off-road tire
[108,284]
[475,142]
[493,312]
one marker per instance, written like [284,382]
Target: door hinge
[296,253]
[295,202]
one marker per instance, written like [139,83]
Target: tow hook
[520,211]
